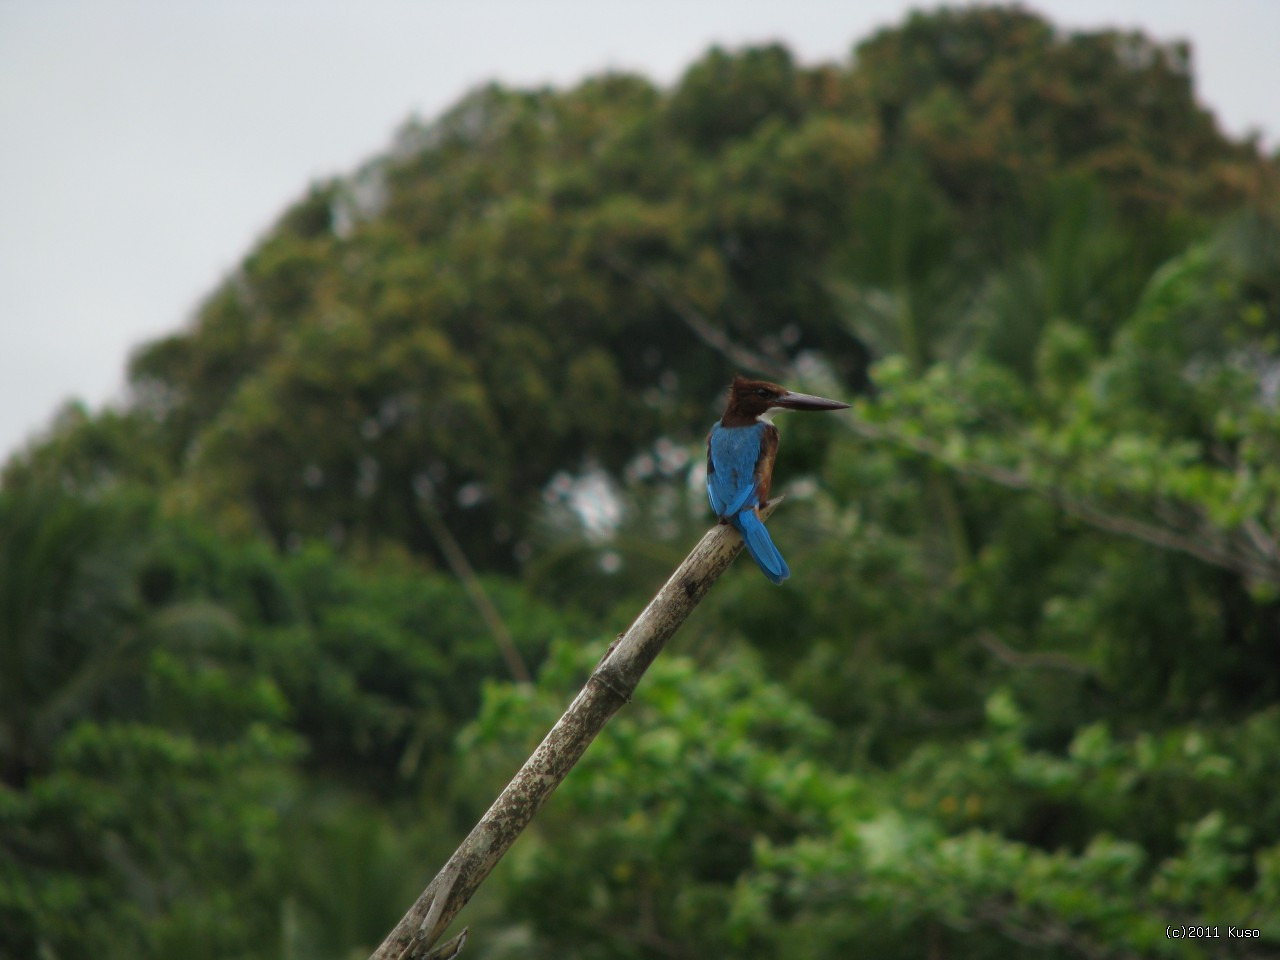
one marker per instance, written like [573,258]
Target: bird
[740,454]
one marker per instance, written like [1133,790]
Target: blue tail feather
[760,546]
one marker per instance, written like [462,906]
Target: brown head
[749,399]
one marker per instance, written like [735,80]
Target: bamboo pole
[610,686]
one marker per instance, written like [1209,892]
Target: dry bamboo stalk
[610,686]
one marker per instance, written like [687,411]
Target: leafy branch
[1248,549]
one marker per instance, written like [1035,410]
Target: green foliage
[724,97]
[168,697]
[679,790]
[502,296]
[136,812]
[387,662]
[703,823]
[61,595]
[1020,697]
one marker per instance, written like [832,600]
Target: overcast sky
[145,145]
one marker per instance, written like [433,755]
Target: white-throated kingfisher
[740,454]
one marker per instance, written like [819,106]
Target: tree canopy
[1022,695]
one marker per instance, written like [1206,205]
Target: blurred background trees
[1022,696]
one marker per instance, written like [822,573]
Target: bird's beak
[803,401]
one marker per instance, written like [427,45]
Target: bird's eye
[763,394]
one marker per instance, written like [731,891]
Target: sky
[144,146]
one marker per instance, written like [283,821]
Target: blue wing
[739,470]
[732,453]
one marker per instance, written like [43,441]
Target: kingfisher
[740,454]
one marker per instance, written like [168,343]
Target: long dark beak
[803,401]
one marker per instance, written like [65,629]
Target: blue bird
[740,454]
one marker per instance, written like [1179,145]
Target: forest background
[1021,697]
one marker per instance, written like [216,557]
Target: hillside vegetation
[1021,697]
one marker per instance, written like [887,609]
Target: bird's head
[751,399]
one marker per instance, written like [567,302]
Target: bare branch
[1021,660]
[610,686]
[466,574]
[702,328]
[1210,545]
